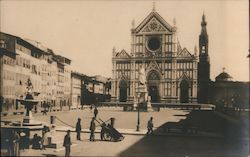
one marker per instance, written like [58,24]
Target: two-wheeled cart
[108,132]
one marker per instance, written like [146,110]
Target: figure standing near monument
[78,129]
[95,112]
[67,143]
[92,130]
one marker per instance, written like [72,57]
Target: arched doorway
[153,86]
[184,95]
[123,91]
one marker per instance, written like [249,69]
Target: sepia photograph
[125,78]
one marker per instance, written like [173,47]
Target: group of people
[91,127]
[39,142]
[67,140]
[46,107]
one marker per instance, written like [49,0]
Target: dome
[223,77]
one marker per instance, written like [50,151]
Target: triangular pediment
[153,65]
[184,54]
[153,23]
[122,54]
[184,76]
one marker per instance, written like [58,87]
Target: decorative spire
[174,22]
[195,50]
[153,7]
[133,23]
[113,50]
[203,23]
[223,69]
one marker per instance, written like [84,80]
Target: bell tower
[203,64]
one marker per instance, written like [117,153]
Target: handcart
[109,133]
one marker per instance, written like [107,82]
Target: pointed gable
[153,23]
[122,54]
[153,65]
[184,54]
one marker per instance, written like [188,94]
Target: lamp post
[138,113]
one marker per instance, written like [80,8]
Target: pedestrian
[45,141]
[92,130]
[67,143]
[95,112]
[78,129]
[36,142]
[15,144]
[35,109]
[150,126]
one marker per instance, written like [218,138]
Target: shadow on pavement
[49,155]
[182,143]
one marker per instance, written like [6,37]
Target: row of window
[186,65]
[166,39]
[8,75]
[23,62]
[9,61]
[62,79]
[21,79]
[139,48]
[9,90]
[123,66]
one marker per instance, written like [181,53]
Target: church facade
[171,71]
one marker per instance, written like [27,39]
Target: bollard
[112,119]
[52,119]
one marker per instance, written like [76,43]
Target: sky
[86,31]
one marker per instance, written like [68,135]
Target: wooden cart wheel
[107,136]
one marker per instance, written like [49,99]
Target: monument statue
[29,94]
[142,76]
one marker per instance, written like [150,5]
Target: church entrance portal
[184,92]
[123,91]
[154,93]
[153,86]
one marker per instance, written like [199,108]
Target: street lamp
[138,113]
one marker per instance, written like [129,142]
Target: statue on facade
[142,76]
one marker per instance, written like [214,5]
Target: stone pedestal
[149,106]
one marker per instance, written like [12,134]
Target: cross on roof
[223,69]
[153,7]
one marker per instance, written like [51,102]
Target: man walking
[92,130]
[15,144]
[78,129]
[150,126]
[95,112]
[67,143]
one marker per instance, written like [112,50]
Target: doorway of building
[184,95]
[154,93]
[123,91]
[153,86]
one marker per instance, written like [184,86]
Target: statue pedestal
[142,95]
[149,106]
